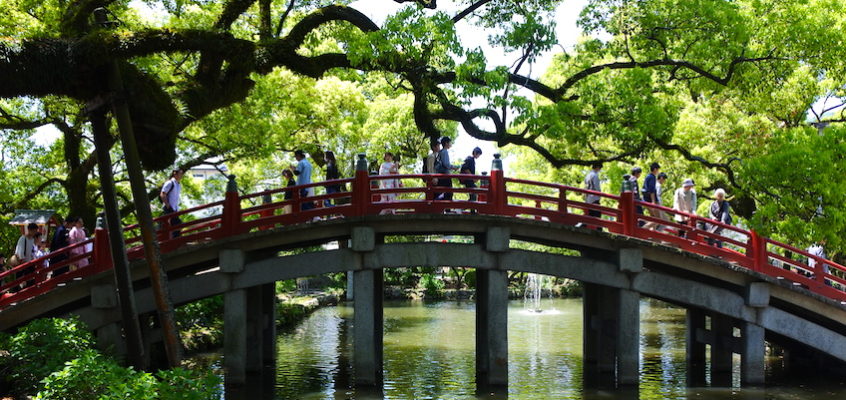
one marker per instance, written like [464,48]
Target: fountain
[532,294]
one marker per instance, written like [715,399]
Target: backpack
[166,193]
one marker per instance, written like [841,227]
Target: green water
[429,354]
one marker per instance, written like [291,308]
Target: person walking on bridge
[719,211]
[60,241]
[170,197]
[818,250]
[633,178]
[445,167]
[388,167]
[469,168]
[684,201]
[332,173]
[593,184]
[302,169]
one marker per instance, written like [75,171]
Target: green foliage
[92,376]
[42,347]
[432,285]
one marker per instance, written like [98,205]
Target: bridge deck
[418,194]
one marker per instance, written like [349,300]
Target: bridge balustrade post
[231,216]
[628,213]
[102,253]
[361,187]
[562,201]
[757,251]
[266,199]
[499,197]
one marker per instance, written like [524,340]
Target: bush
[185,384]
[93,376]
[431,284]
[42,347]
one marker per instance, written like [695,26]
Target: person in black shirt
[331,174]
[469,167]
[289,194]
[60,240]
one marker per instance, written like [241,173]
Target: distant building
[207,171]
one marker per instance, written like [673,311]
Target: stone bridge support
[611,338]
[368,319]
[717,331]
[492,315]
[249,323]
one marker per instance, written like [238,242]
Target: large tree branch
[687,154]
[722,80]
[23,201]
[469,10]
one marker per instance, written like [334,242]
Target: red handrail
[494,195]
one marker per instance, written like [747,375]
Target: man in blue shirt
[303,172]
[650,191]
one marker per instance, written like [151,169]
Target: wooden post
[361,186]
[628,213]
[498,195]
[123,278]
[231,217]
[158,278]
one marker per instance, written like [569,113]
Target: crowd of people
[685,200]
[32,245]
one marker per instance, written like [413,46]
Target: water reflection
[429,354]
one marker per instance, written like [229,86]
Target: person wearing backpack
[169,196]
[469,167]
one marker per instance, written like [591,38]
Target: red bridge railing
[419,194]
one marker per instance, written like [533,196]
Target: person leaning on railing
[719,211]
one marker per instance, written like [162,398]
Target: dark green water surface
[429,354]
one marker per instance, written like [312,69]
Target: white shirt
[819,251]
[172,188]
[24,248]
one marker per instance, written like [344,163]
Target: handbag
[14,261]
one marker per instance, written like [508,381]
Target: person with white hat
[684,200]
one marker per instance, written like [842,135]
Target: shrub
[431,284]
[42,347]
[92,376]
[184,384]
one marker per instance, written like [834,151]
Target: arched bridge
[237,247]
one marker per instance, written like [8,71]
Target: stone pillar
[350,286]
[628,338]
[368,324]
[753,346]
[630,262]
[268,299]
[492,314]
[255,329]
[491,328]
[695,348]
[722,329]
[752,356]
[235,330]
[235,336]
[599,337]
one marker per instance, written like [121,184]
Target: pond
[430,354]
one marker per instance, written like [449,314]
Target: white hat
[688,182]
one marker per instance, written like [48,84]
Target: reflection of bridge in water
[754,286]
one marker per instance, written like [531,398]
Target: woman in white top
[76,235]
[389,167]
